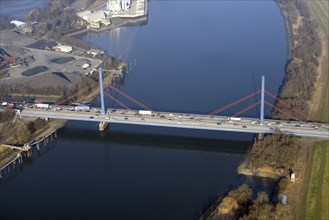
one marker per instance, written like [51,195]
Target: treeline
[301,69]
[24,132]
[6,116]
[21,133]
[56,19]
[276,151]
[281,151]
[277,154]
[243,205]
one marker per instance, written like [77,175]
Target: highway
[182,120]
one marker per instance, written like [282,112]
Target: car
[126,118]
[244,126]
[91,117]
[113,110]
[142,119]
[219,123]
[98,112]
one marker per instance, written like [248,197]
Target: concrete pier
[6,168]
[102,125]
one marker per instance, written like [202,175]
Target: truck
[85,66]
[4,103]
[233,119]
[82,108]
[144,112]
[42,105]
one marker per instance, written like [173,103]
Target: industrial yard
[39,68]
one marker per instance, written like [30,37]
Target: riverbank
[277,158]
[315,201]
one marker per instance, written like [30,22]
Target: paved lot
[61,68]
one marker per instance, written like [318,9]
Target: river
[191,56]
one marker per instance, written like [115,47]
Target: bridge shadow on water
[178,140]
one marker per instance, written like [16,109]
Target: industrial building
[94,19]
[127,8]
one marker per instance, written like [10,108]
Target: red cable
[87,97]
[77,93]
[128,97]
[280,110]
[117,101]
[246,109]
[289,106]
[234,103]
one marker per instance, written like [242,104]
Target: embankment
[304,86]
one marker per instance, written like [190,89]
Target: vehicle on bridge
[42,105]
[82,108]
[144,112]
[233,119]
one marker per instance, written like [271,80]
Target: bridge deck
[184,120]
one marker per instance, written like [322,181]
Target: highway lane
[184,120]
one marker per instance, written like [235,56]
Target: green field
[317,197]
[322,15]
[316,200]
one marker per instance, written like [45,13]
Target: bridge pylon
[101,90]
[102,125]
[261,120]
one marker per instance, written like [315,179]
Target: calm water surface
[17,9]
[191,56]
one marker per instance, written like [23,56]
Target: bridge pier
[102,125]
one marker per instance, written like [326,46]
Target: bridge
[300,127]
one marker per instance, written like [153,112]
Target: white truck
[42,105]
[82,108]
[233,119]
[144,112]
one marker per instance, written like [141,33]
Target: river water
[191,56]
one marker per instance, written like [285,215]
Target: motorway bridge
[300,127]
[183,120]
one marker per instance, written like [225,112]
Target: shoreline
[315,106]
[117,23]
[315,101]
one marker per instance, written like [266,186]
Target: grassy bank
[316,197]
[317,194]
